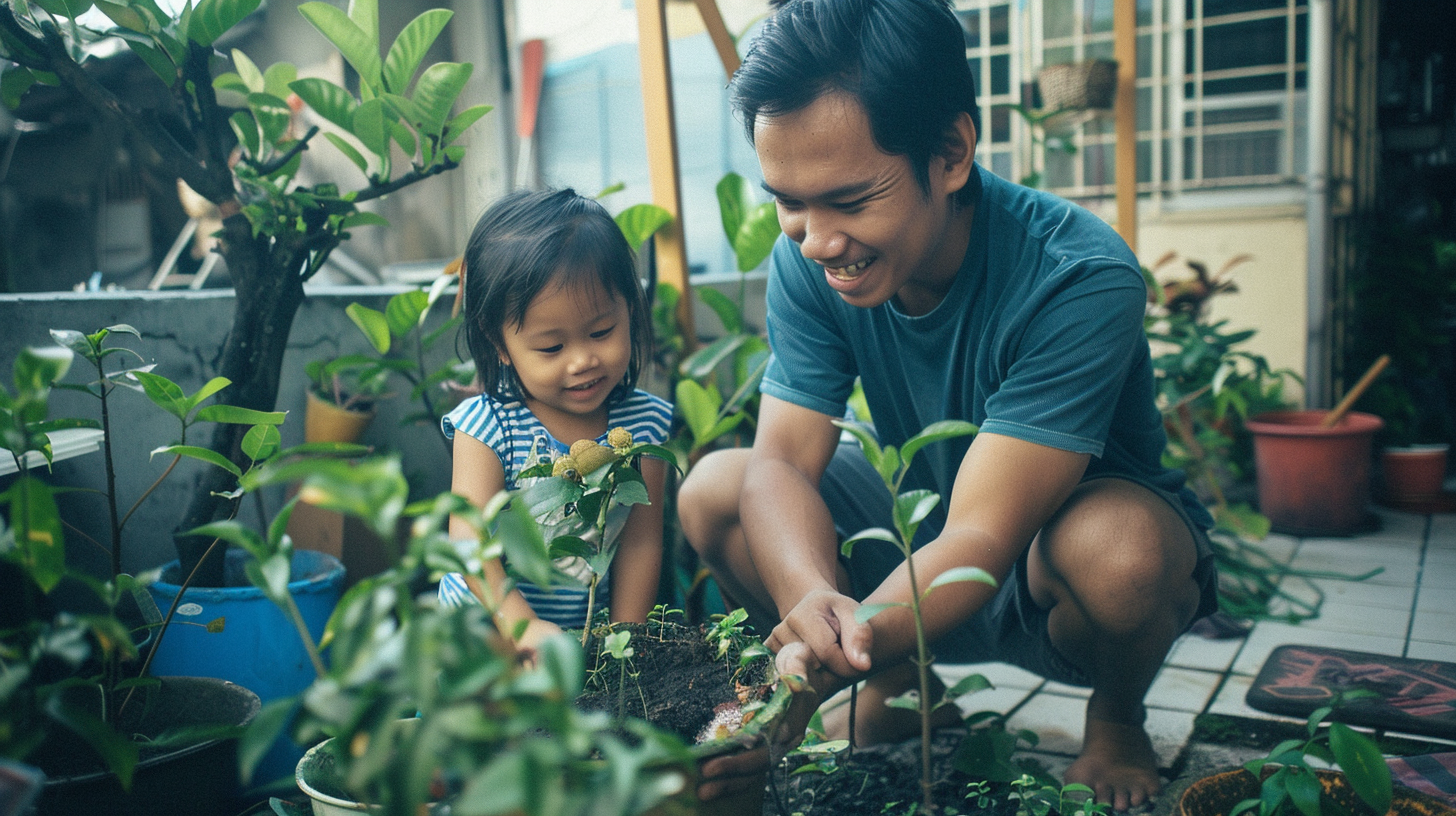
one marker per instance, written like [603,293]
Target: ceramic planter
[323,421]
[1313,480]
[197,778]
[1413,474]
[1216,795]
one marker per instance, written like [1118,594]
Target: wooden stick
[1335,414]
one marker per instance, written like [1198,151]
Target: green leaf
[867,611]
[725,308]
[36,521]
[960,574]
[404,137]
[639,221]
[124,16]
[64,8]
[261,442]
[203,454]
[278,78]
[909,701]
[935,432]
[464,120]
[117,751]
[410,46]
[327,99]
[247,132]
[911,507]
[699,407]
[755,238]
[13,84]
[213,18]
[358,45]
[233,415]
[248,72]
[499,787]
[436,91]
[212,386]
[1304,791]
[734,199]
[969,684]
[166,394]
[867,443]
[272,115]
[569,545]
[36,369]
[258,737]
[875,533]
[363,218]
[372,323]
[371,128]
[1360,759]
[406,310]
[701,363]
[350,152]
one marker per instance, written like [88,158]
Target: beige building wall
[1271,294]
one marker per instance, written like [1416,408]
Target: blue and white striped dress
[519,439]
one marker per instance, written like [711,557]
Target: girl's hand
[537,632]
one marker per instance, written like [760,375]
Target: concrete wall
[183,332]
[1271,297]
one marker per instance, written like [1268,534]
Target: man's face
[857,211]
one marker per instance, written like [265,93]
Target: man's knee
[707,499]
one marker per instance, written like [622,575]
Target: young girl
[559,328]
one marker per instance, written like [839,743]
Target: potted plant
[1292,780]
[423,703]
[74,695]
[234,147]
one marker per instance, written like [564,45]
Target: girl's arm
[478,476]
[638,562]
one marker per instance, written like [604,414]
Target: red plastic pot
[1414,473]
[1313,480]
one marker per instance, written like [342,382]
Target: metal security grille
[1221,93]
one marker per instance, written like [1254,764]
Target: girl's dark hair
[526,242]
[904,60]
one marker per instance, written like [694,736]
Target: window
[1221,92]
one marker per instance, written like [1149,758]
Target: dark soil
[674,678]
[883,779]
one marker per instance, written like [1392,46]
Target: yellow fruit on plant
[566,466]
[619,438]
[589,455]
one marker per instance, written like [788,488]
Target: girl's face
[570,351]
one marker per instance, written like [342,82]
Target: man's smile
[850,272]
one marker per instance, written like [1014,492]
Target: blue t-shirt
[1040,337]
[520,440]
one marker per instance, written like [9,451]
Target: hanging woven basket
[1087,85]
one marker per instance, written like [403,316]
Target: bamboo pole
[1124,49]
[718,32]
[662,163]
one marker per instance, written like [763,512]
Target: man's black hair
[904,60]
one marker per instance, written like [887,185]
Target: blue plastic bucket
[258,648]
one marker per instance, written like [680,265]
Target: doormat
[1414,696]
[1428,773]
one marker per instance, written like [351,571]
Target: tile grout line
[1410,624]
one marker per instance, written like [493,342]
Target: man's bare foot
[876,723]
[1117,762]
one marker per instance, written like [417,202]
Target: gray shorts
[1011,628]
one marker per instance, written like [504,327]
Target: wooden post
[662,165]
[1124,48]
[718,32]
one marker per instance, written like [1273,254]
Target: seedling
[1036,798]
[910,509]
[1295,789]
[661,615]
[575,495]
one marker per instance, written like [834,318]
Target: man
[950,293]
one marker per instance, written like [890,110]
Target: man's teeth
[848,273]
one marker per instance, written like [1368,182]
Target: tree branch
[374,190]
[268,167]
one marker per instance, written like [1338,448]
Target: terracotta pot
[1216,795]
[1413,473]
[1313,480]
[323,421]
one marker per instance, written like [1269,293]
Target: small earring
[506,383]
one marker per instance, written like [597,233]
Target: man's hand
[824,622]
[537,631]
[797,664]
[732,773]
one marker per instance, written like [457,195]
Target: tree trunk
[268,279]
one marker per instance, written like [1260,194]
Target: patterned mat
[1428,773]
[1415,696]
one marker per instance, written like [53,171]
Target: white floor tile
[1364,620]
[1169,731]
[1442,534]
[1269,634]
[1440,558]
[1230,701]
[1424,650]
[1194,652]
[999,700]
[1066,690]
[1396,567]
[1056,719]
[1361,593]
[1432,598]
[1001,675]
[1434,627]
[1182,689]
[1397,524]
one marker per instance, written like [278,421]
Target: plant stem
[110,469]
[922,666]
[591,603]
